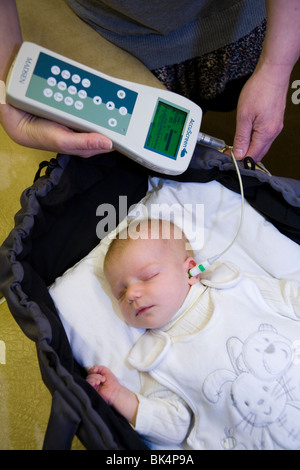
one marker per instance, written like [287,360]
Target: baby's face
[150,281]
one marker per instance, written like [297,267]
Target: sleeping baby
[219,361]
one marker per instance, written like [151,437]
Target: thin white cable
[205,264]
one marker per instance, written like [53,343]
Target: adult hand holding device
[262,102]
[25,128]
[260,114]
[39,133]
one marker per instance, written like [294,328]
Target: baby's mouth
[141,310]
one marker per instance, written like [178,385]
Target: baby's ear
[189,264]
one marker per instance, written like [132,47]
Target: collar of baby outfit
[151,348]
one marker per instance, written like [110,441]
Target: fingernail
[107,145]
[238,153]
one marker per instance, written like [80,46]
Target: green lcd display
[165,131]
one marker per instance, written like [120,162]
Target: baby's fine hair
[155,229]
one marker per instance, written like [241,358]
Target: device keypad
[75,91]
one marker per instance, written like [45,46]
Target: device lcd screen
[166,128]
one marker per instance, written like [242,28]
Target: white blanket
[90,314]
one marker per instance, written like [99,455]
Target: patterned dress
[214,80]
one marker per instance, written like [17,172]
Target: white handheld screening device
[155,127]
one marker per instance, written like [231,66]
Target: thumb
[87,140]
[84,144]
[242,137]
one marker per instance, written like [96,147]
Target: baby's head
[147,267]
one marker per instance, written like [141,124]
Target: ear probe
[212,142]
[200,268]
[219,145]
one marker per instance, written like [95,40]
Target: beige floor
[22,419]
[24,400]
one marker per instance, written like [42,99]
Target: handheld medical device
[155,127]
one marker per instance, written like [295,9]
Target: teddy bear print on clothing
[265,389]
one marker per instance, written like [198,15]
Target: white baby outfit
[225,372]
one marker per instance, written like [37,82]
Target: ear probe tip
[200,268]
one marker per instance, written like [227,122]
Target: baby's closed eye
[148,276]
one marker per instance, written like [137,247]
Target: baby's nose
[133,292]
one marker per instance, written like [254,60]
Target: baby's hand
[116,395]
[95,379]
[104,381]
